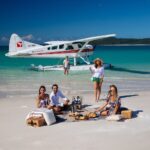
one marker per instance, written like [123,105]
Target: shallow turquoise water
[131,63]
[127,59]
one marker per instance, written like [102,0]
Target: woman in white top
[97,77]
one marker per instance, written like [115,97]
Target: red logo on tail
[19,44]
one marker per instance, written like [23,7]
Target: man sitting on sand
[54,99]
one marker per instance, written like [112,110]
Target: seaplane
[80,48]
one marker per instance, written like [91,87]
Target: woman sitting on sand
[43,100]
[112,104]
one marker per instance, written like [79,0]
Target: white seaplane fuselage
[62,50]
[56,50]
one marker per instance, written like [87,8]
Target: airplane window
[79,45]
[69,47]
[54,47]
[49,48]
[61,46]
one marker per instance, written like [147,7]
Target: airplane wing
[90,39]
[57,42]
[86,40]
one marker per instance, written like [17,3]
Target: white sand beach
[84,135]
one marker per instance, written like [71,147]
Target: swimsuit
[111,105]
[43,103]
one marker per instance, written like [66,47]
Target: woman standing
[97,77]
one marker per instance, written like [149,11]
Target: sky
[44,20]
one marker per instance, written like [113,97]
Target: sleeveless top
[44,102]
[98,72]
[111,105]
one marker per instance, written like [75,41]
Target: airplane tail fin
[16,43]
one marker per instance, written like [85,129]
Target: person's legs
[66,102]
[65,71]
[49,107]
[104,113]
[57,109]
[95,90]
[99,90]
[66,105]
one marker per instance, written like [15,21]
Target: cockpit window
[80,45]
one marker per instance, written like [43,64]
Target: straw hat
[98,59]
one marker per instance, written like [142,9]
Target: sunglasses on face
[111,91]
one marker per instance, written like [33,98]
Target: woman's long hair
[42,87]
[95,62]
[115,87]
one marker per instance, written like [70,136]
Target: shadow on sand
[124,96]
[135,113]
[85,105]
[113,68]
[60,119]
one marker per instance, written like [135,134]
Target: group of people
[43,99]
[97,74]
[111,106]
[113,101]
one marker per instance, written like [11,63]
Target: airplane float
[55,49]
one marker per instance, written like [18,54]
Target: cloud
[28,37]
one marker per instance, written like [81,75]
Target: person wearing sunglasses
[112,104]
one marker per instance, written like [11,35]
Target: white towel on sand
[114,118]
